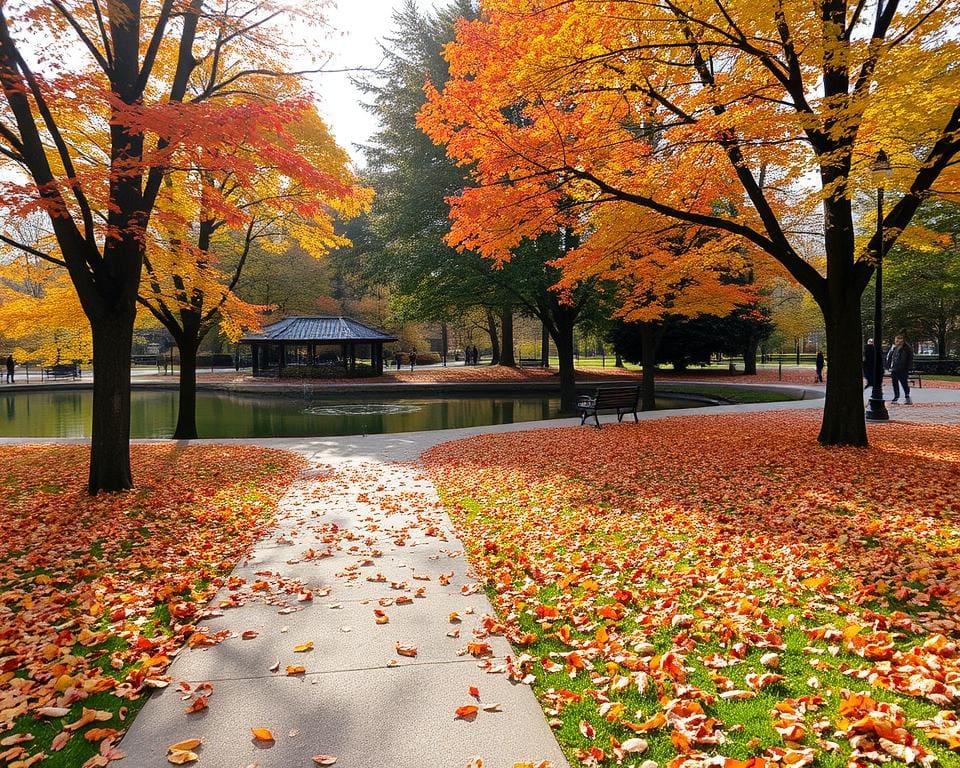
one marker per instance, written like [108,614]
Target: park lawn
[722,591]
[96,593]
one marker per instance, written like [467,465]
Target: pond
[66,413]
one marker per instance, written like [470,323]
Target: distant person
[476,355]
[869,362]
[900,361]
[468,355]
[820,363]
[397,358]
[413,358]
[10,368]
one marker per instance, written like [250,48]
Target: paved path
[357,547]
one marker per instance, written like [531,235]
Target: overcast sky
[359,24]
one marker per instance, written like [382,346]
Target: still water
[219,414]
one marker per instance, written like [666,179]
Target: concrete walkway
[359,533]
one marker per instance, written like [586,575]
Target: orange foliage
[837,567]
[83,577]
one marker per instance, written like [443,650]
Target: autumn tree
[922,281]
[751,102]
[286,181]
[118,76]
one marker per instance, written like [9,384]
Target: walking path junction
[357,577]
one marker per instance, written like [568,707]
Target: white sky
[359,24]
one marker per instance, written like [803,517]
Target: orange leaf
[262,734]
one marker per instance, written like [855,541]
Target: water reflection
[67,413]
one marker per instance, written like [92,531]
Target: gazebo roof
[329,330]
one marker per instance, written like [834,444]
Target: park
[479,384]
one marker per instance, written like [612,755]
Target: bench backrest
[618,396]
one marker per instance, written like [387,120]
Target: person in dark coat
[413,358]
[900,361]
[869,362]
[10,368]
[820,364]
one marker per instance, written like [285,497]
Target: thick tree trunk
[110,432]
[568,384]
[843,419]
[750,357]
[544,346]
[494,338]
[186,428]
[507,356]
[648,353]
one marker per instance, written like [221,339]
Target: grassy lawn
[721,591]
[733,394]
[96,593]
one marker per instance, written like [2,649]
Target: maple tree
[92,123]
[287,179]
[756,121]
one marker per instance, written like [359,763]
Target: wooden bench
[531,362]
[622,398]
[60,371]
[914,378]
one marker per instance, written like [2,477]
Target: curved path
[380,542]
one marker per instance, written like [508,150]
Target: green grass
[734,394]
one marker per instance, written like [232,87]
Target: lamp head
[881,168]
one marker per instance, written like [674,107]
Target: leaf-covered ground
[721,591]
[97,592]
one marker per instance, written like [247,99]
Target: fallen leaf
[406,650]
[262,734]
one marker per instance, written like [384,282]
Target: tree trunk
[843,419]
[648,355]
[568,384]
[186,428]
[494,338]
[507,356]
[618,361]
[750,357]
[110,433]
[544,346]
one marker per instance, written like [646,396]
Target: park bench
[531,362]
[622,398]
[60,371]
[914,378]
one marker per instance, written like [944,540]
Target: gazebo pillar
[255,354]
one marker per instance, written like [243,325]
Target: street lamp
[877,411]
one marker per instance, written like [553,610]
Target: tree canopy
[756,121]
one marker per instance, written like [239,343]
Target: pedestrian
[413,357]
[869,362]
[820,364]
[476,355]
[398,358]
[900,361]
[468,355]
[10,368]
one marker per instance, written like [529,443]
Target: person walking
[900,361]
[413,357]
[869,362]
[820,363]
[398,358]
[11,365]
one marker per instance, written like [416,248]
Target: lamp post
[877,411]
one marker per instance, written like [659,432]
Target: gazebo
[306,342]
